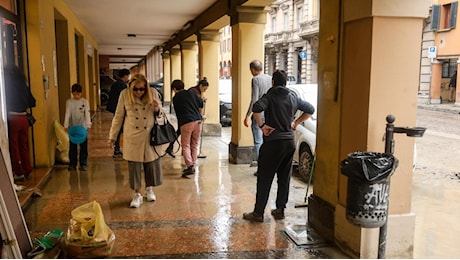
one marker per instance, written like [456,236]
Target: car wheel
[305,163]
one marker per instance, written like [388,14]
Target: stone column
[208,57]
[278,58]
[166,77]
[175,66]
[436,75]
[248,24]
[188,63]
[363,77]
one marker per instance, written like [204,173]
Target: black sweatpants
[275,157]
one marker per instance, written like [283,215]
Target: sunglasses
[138,89]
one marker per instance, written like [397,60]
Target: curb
[440,109]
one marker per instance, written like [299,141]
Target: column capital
[165,55]
[209,35]
[354,10]
[174,51]
[188,45]
[435,61]
[249,14]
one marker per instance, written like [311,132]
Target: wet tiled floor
[200,217]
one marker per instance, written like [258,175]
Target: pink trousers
[190,141]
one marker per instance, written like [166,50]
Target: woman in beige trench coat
[135,113]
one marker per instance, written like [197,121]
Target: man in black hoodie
[276,153]
[115,90]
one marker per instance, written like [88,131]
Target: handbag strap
[163,113]
[176,141]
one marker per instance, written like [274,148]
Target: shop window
[448,68]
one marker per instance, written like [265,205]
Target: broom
[305,201]
[201,134]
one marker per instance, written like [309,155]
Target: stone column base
[399,240]
[212,130]
[241,154]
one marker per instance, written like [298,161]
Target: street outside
[436,186]
[436,182]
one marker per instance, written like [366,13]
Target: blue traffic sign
[303,54]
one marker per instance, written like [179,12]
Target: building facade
[440,54]
[291,39]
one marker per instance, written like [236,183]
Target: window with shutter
[453,14]
[435,15]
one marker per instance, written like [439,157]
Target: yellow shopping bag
[88,236]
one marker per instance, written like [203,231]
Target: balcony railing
[282,37]
[309,28]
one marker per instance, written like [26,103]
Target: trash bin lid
[77,134]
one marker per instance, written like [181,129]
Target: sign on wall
[432,51]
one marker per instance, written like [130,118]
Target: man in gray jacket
[259,86]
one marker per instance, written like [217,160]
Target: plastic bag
[62,147]
[88,236]
[369,166]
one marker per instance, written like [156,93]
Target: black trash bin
[368,187]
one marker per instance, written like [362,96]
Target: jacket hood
[279,91]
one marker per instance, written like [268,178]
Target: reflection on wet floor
[199,217]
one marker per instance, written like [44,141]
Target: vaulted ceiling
[127,30]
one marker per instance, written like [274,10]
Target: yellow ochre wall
[40,48]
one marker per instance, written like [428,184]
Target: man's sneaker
[72,168]
[253,164]
[278,214]
[150,195]
[83,168]
[189,170]
[117,154]
[252,216]
[137,201]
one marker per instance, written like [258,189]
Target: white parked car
[305,134]
[291,80]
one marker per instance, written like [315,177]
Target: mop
[305,201]
[201,134]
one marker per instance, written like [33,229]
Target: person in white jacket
[137,106]
[77,114]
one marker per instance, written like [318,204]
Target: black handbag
[162,134]
[30,118]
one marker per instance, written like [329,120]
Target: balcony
[282,37]
[309,28]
